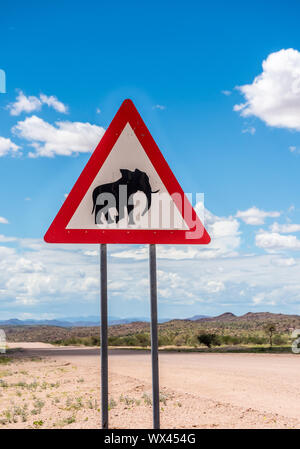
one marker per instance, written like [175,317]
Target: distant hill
[197,317]
[58,323]
[89,321]
[251,316]
[224,317]
[176,331]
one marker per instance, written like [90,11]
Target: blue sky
[218,85]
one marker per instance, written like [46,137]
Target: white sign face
[127,193]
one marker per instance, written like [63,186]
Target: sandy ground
[49,387]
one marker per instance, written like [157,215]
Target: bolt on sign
[127,193]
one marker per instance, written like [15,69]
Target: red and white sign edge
[59,232]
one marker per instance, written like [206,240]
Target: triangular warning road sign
[127,193]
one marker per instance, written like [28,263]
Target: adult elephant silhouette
[134,181]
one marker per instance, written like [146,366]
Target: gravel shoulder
[43,386]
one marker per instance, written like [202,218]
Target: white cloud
[238,107]
[4,239]
[24,104]
[4,251]
[31,103]
[255,216]
[65,138]
[41,274]
[226,92]
[288,262]
[285,228]
[251,130]
[159,106]
[173,280]
[225,240]
[214,286]
[282,295]
[54,103]
[275,241]
[294,149]
[91,253]
[7,146]
[262,298]
[274,95]
[140,253]
[35,276]
[25,265]
[3,220]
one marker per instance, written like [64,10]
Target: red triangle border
[57,232]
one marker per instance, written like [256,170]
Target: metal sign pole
[104,361]
[154,336]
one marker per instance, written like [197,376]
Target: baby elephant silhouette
[134,181]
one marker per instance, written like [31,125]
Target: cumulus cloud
[277,295]
[24,103]
[262,298]
[225,241]
[3,220]
[214,286]
[36,277]
[225,235]
[4,239]
[287,262]
[38,274]
[285,228]
[255,216]
[274,95]
[64,138]
[54,103]
[7,146]
[25,265]
[31,103]
[276,241]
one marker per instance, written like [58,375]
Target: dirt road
[197,389]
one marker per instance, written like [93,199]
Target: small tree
[270,328]
[208,340]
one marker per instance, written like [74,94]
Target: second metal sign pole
[104,357]
[154,336]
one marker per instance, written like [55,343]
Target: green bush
[209,340]
[74,341]
[139,339]
[143,339]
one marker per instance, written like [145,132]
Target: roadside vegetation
[251,332]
